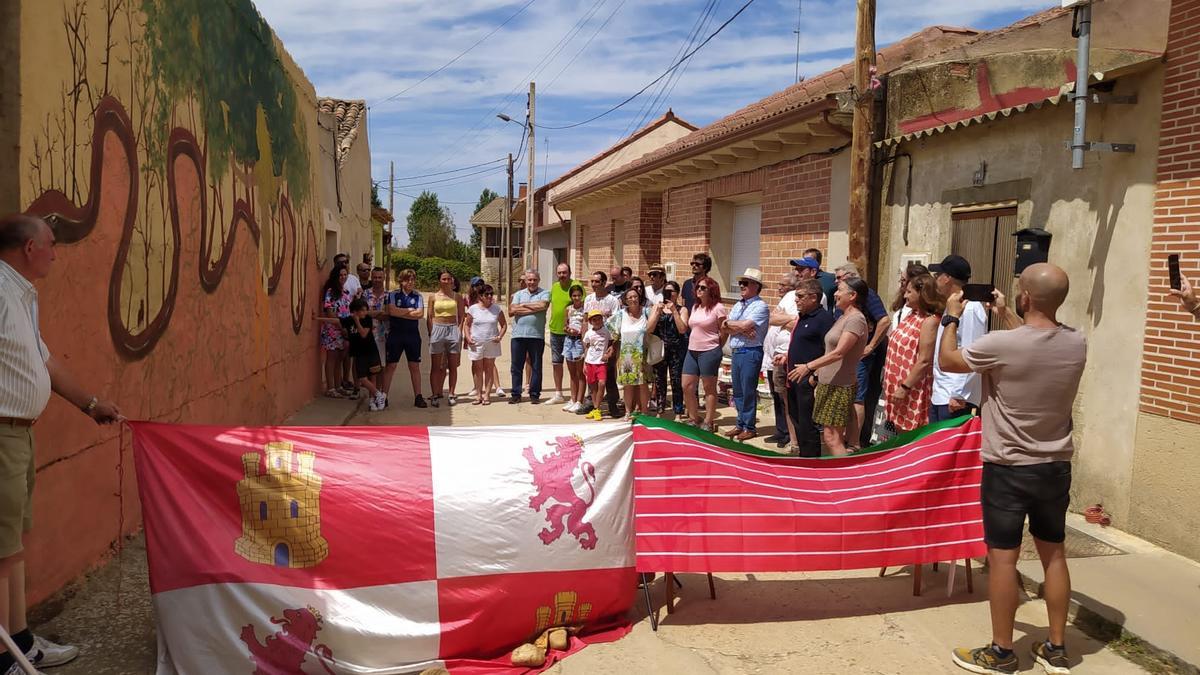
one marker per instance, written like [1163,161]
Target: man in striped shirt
[28,373]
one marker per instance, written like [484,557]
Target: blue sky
[585,55]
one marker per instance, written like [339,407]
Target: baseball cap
[593,313]
[954,266]
[476,281]
[805,262]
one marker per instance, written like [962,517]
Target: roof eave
[812,109]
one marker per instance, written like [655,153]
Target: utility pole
[505,267]
[860,158]
[387,249]
[530,254]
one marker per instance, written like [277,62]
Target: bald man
[1030,376]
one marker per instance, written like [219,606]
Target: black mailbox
[1033,246]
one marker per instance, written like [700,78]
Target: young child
[363,350]
[573,349]
[596,353]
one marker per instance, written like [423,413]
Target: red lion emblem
[284,652]
[552,478]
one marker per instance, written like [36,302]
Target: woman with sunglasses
[837,371]
[704,353]
[908,370]
[628,329]
[484,327]
[669,321]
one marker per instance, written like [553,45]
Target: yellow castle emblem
[281,509]
[566,612]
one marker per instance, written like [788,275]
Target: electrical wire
[460,55]
[638,120]
[442,173]
[655,80]
[452,178]
[586,44]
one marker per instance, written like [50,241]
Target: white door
[744,247]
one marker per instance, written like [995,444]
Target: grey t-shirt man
[1030,378]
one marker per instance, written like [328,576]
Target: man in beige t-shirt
[1030,376]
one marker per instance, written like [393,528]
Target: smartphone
[668,293]
[1173,271]
[978,292]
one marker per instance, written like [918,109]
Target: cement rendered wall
[188,210]
[1100,218]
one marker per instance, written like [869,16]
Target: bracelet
[90,406]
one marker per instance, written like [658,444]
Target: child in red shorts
[596,353]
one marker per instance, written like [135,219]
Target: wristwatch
[949,319]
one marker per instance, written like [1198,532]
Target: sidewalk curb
[1101,628]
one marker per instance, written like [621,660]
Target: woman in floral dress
[335,305]
[908,371]
[628,328]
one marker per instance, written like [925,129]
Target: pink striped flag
[703,506]
[278,551]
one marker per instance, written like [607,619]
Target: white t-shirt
[485,322]
[779,337]
[967,386]
[608,305]
[575,319]
[353,285]
[654,297]
[595,342]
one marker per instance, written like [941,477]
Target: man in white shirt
[779,337]
[658,281]
[28,374]
[956,394]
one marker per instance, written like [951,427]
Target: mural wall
[176,150]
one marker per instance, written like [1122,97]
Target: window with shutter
[745,239]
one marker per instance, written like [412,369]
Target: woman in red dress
[908,371]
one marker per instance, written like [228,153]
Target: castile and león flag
[399,549]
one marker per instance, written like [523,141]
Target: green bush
[428,269]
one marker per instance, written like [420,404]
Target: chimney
[521,192]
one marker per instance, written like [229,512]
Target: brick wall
[795,214]
[1171,363]
[595,230]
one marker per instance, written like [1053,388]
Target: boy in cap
[597,353]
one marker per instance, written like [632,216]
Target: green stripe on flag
[697,434]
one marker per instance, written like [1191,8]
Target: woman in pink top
[704,352]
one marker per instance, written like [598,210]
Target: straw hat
[752,274]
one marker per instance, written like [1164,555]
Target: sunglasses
[743,284]
[489,294]
[656,274]
[702,288]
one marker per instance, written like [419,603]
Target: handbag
[655,349]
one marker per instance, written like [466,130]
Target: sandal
[794,450]
[477,401]
[487,401]
[333,393]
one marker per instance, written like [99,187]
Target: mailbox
[1033,246]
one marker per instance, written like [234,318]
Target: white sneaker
[500,391]
[571,406]
[380,401]
[15,669]
[46,654]
[558,398]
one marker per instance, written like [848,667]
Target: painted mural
[204,138]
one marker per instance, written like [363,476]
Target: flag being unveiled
[381,549]
[704,504]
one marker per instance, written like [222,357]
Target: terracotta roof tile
[349,116]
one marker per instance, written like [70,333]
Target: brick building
[752,189]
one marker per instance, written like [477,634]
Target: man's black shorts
[366,363]
[407,345]
[1010,493]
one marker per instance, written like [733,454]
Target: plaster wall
[1100,217]
[189,217]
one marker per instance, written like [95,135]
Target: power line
[460,55]
[647,111]
[442,173]
[453,178]
[585,45]
[655,80]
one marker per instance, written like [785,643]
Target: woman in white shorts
[484,328]
[442,319]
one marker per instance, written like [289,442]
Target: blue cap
[805,262]
[475,281]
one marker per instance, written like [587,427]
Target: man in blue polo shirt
[527,312]
[747,325]
[405,308]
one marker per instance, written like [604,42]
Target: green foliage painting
[222,54]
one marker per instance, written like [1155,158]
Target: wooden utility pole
[505,266]
[530,254]
[387,249]
[864,117]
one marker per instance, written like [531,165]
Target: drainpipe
[1083,31]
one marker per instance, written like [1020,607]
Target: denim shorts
[704,364]
[556,347]
[572,347]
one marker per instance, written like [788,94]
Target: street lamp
[506,118]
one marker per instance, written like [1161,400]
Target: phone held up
[1173,271]
[978,292]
